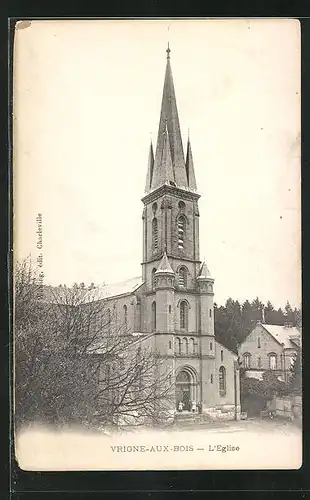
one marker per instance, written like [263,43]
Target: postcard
[157,244]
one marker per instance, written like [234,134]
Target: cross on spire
[168,51]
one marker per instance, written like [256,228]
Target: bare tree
[136,388]
[76,362]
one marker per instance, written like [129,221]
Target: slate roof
[284,334]
[59,294]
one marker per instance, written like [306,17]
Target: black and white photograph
[157,244]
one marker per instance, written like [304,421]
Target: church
[170,307]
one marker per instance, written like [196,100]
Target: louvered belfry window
[183,276]
[155,234]
[181,232]
[153,278]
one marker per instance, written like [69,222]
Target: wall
[228,362]
[268,345]
[116,306]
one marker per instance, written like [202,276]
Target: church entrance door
[183,390]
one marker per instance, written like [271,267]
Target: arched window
[192,346]
[258,342]
[181,231]
[184,315]
[259,363]
[272,361]
[183,276]
[153,316]
[153,278]
[247,360]
[155,234]
[181,206]
[183,378]
[222,381]
[186,345]
[125,317]
[178,345]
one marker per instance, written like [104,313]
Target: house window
[183,276]
[259,363]
[184,315]
[222,355]
[247,360]
[153,278]
[211,346]
[181,231]
[170,344]
[222,381]
[210,313]
[272,361]
[211,378]
[169,309]
[258,342]
[178,346]
[125,318]
[155,234]
[153,316]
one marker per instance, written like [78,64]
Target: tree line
[234,321]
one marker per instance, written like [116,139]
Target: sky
[87,98]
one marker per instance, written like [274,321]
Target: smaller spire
[164,266]
[168,51]
[204,272]
[189,165]
[150,168]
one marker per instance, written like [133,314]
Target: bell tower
[170,214]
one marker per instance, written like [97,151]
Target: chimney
[288,324]
[263,314]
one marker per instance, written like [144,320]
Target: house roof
[288,336]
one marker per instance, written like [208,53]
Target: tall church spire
[169,119]
[163,173]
